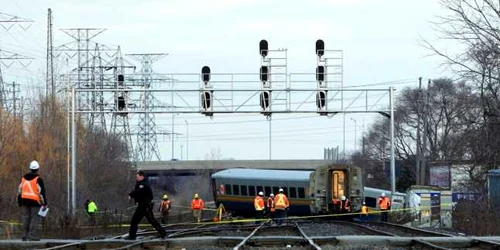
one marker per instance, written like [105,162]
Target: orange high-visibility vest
[384,203]
[345,205]
[30,190]
[197,204]
[258,203]
[364,210]
[270,204]
[165,205]
[281,202]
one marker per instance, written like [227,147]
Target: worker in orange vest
[31,196]
[384,203]
[197,206]
[364,210]
[281,205]
[345,205]
[258,204]
[270,205]
[164,209]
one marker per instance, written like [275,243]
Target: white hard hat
[272,195]
[383,194]
[281,190]
[34,165]
[261,193]
[343,197]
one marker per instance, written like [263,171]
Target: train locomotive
[310,192]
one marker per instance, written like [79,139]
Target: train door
[338,188]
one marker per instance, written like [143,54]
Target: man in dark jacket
[143,195]
[31,196]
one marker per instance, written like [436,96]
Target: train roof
[263,174]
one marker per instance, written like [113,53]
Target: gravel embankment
[329,229]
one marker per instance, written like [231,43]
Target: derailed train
[309,192]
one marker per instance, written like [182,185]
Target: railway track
[288,236]
[293,235]
[396,230]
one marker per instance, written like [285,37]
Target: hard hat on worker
[272,195]
[196,196]
[281,190]
[383,195]
[34,165]
[343,197]
[261,193]
[165,196]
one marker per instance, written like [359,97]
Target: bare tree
[475,26]
[450,111]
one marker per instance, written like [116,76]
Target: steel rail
[244,241]
[309,240]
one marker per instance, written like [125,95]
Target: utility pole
[418,157]
[187,140]
[355,134]
[363,134]
[426,128]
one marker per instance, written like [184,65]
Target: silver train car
[309,192]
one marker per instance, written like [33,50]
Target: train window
[236,190]
[244,191]
[293,192]
[259,189]
[276,190]
[251,190]
[302,193]
[267,190]
[285,191]
[371,202]
[228,189]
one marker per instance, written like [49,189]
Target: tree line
[458,117]
[103,170]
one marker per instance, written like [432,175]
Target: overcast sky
[381,41]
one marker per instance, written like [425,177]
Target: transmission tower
[7,21]
[97,120]
[7,59]
[50,88]
[120,121]
[14,100]
[147,145]
[82,47]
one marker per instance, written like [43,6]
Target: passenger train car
[309,192]
[371,195]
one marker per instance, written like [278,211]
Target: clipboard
[43,211]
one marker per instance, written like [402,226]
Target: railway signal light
[321,100]
[320,74]
[265,100]
[263,48]
[206,100]
[121,79]
[205,74]
[320,48]
[264,74]
[206,96]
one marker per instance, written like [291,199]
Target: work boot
[34,239]
[24,239]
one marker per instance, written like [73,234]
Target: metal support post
[73,153]
[393,165]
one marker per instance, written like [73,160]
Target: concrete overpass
[194,167]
